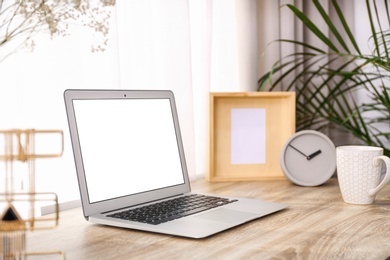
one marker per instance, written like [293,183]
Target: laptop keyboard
[168,210]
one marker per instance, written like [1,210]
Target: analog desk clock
[308,158]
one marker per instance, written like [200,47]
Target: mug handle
[386,179]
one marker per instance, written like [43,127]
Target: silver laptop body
[128,152]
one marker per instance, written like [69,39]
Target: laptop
[129,156]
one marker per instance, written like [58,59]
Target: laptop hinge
[146,203]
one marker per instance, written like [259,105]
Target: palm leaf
[325,79]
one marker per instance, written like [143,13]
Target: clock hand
[298,150]
[311,156]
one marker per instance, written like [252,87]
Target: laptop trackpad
[226,215]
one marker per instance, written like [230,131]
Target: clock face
[308,158]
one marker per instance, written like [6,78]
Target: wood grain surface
[317,225]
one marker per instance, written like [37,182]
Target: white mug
[359,171]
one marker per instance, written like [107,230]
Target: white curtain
[274,22]
[191,47]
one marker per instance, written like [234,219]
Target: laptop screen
[128,146]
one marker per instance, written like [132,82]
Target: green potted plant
[326,78]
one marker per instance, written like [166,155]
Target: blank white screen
[128,146]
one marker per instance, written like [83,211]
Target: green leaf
[310,25]
[326,79]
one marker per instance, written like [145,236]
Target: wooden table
[317,225]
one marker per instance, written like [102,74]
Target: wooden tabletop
[317,225]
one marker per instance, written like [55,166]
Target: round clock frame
[308,158]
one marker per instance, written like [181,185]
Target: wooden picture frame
[247,133]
